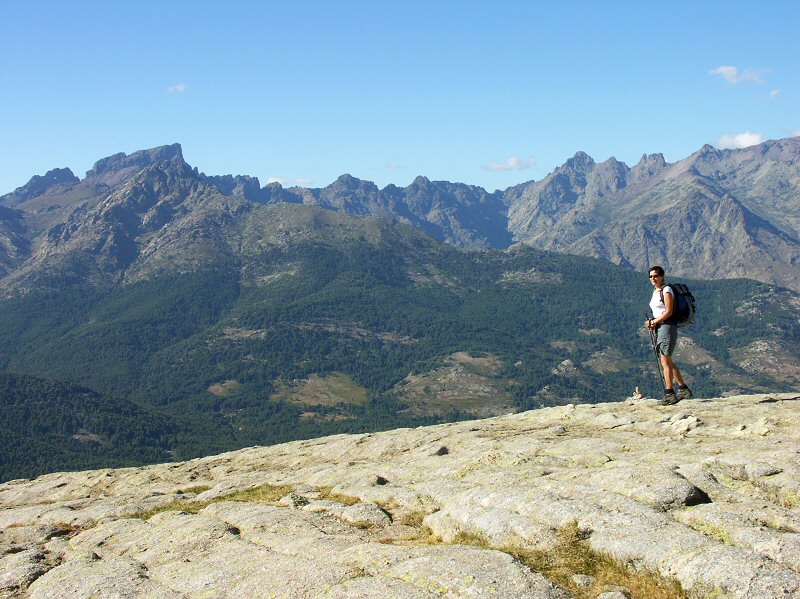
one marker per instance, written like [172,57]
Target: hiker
[665,331]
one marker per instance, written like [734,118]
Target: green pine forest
[120,375]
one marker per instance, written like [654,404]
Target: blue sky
[486,93]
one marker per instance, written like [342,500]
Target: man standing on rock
[665,330]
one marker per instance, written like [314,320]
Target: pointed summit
[581,161]
[707,150]
[347,179]
[348,182]
[652,160]
[420,181]
[348,194]
[650,165]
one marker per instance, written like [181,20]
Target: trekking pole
[658,359]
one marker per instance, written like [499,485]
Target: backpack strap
[671,319]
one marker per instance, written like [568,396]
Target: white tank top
[656,305]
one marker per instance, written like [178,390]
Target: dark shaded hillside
[225,352]
[49,426]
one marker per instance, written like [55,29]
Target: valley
[225,318]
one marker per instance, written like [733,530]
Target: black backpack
[684,309]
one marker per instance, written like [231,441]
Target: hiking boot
[669,399]
[684,393]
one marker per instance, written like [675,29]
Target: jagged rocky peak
[39,184]
[347,194]
[581,161]
[115,169]
[608,176]
[52,177]
[783,150]
[274,193]
[176,171]
[420,181]
[420,187]
[652,161]
[240,186]
[350,183]
[650,165]
[612,165]
[392,189]
[144,188]
[708,151]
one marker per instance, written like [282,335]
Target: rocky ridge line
[714,214]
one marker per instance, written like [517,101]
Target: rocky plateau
[706,492]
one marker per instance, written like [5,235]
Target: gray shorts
[666,338]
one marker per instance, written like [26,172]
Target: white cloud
[393,166]
[734,76]
[177,89]
[740,140]
[775,93]
[514,163]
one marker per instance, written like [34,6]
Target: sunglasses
[654,276]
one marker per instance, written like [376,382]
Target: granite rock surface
[706,492]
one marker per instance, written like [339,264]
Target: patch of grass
[329,494]
[195,490]
[472,538]
[423,538]
[414,518]
[262,494]
[573,555]
[225,389]
[400,516]
[465,384]
[422,535]
[189,506]
[330,390]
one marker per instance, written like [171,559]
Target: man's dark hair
[658,269]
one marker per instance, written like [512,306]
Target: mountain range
[149,311]
[715,214]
